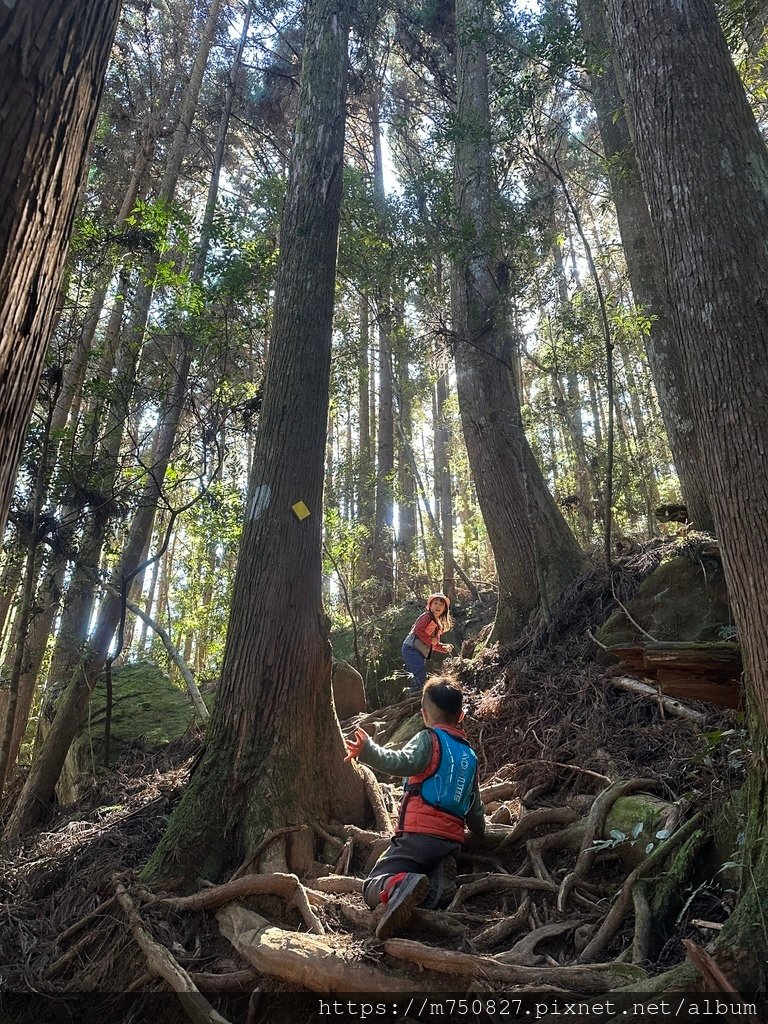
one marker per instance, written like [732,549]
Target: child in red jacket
[424,638]
[442,794]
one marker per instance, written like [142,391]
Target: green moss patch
[681,600]
[148,711]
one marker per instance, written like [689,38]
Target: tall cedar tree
[274,755]
[53,58]
[704,168]
[642,258]
[536,553]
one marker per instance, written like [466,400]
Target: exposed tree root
[235,981]
[593,830]
[502,930]
[500,883]
[524,953]
[641,943]
[593,979]
[536,819]
[102,908]
[609,927]
[376,800]
[247,866]
[307,960]
[275,884]
[162,964]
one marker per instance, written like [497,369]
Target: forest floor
[558,897]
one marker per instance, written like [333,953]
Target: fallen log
[670,705]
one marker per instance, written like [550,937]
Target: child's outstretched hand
[355,746]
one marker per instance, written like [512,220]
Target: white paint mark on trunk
[260,502]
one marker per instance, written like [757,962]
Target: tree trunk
[274,754]
[76,368]
[49,760]
[53,64]
[13,570]
[407,498]
[705,174]
[531,541]
[383,541]
[642,258]
[443,482]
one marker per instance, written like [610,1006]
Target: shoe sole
[402,913]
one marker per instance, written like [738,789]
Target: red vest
[416,815]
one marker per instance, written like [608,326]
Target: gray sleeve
[412,759]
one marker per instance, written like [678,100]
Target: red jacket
[427,629]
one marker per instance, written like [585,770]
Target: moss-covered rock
[148,711]
[682,599]
[625,815]
[406,731]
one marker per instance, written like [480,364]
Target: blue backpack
[451,786]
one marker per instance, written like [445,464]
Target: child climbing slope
[424,638]
[441,795]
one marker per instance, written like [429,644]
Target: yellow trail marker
[300,510]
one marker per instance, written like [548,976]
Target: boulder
[148,711]
[348,690]
[683,599]
[406,731]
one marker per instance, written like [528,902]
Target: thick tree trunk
[642,258]
[52,61]
[274,754]
[531,541]
[705,173]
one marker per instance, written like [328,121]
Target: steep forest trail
[599,870]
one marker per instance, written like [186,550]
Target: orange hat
[442,597]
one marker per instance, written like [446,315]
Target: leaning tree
[704,167]
[53,58]
[274,755]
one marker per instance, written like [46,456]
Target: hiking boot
[442,887]
[403,900]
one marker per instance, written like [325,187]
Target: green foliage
[619,838]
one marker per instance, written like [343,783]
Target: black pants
[412,852]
